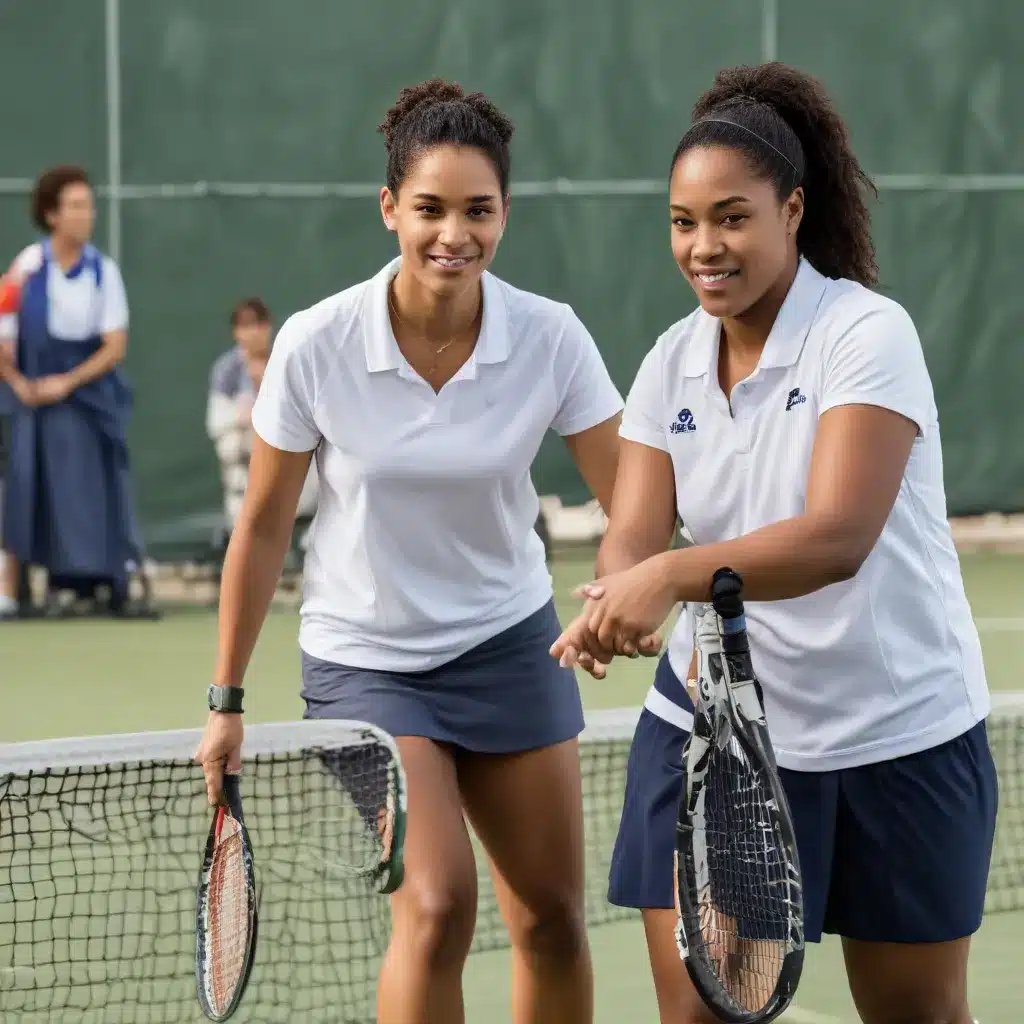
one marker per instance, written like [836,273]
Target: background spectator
[234,381]
[68,505]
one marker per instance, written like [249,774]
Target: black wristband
[225,698]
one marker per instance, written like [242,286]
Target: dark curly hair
[48,188]
[438,113]
[784,123]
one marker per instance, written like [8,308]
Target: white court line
[1000,625]
[798,1015]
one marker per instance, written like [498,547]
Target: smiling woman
[425,393]
[447,200]
[790,423]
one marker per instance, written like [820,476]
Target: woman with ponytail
[790,423]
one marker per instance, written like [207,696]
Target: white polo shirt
[423,545]
[79,308]
[889,662]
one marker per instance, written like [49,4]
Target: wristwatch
[225,698]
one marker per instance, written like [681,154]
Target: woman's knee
[435,917]
[434,911]
[552,926]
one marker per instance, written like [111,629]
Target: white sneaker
[8,607]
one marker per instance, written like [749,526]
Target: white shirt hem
[658,704]
[345,648]
[956,724]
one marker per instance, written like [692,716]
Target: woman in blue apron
[67,497]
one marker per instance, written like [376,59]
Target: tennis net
[101,839]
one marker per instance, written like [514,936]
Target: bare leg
[434,910]
[908,983]
[528,811]
[9,579]
[678,1001]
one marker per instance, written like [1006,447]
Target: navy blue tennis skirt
[504,696]
[896,851]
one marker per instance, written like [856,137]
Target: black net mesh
[99,864]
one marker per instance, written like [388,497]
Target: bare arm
[8,371]
[857,466]
[596,454]
[640,524]
[643,513]
[112,350]
[255,555]
[22,387]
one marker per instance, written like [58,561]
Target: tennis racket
[227,910]
[369,770]
[739,897]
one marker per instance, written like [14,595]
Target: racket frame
[391,872]
[730,699]
[232,807]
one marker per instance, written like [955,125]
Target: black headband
[715,118]
[760,138]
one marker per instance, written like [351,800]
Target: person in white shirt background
[234,382]
[68,505]
[425,393]
[790,423]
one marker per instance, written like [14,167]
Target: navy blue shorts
[896,851]
[505,696]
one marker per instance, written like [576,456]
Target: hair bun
[427,94]
[502,126]
[412,97]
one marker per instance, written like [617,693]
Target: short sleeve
[587,395]
[225,376]
[28,261]
[25,264]
[283,412]
[644,418]
[879,361]
[114,311]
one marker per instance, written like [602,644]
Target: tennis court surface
[98,860]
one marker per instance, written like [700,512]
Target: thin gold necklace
[438,352]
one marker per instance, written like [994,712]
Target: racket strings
[744,909]
[228,923]
[366,775]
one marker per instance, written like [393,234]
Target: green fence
[236,150]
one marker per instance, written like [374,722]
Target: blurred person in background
[234,383]
[68,505]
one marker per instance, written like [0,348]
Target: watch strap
[225,698]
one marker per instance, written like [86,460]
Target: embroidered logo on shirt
[794,398]
[684,423]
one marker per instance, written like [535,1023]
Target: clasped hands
[622,615]
[42,390]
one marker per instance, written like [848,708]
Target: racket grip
[233,795]
[727,593]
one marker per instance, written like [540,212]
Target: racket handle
[233,795]
[727,593]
